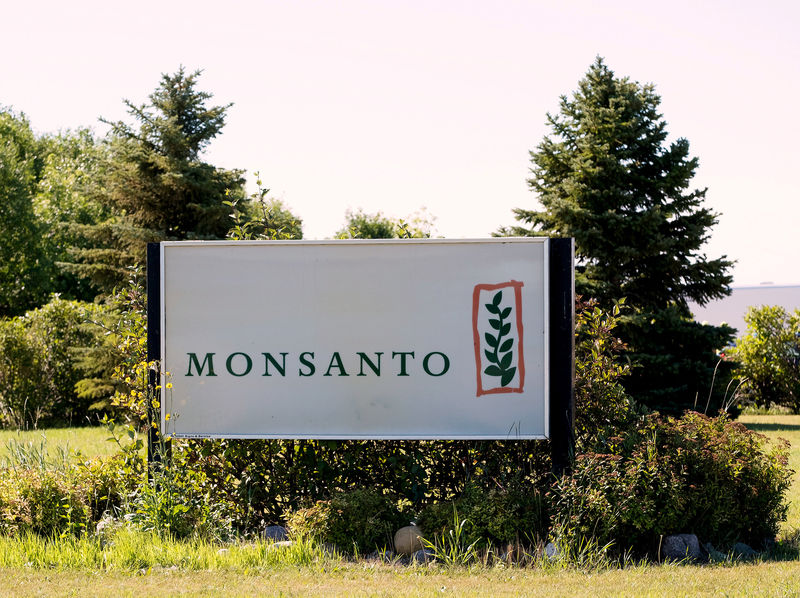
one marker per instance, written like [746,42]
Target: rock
[682,546]
[408,540]
[276,533]
[741,550]
[714,554]
[551,551]
[422,556]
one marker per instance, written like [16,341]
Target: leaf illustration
[494,324]
[508,376]
[506,360]
[505,313]
[497,298]
[490,340]
[492,309]
[505,329]
[493,370]
[506,346]
[490,356]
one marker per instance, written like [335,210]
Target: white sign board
[409,339]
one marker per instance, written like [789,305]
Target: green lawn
[90,441]
[787,427]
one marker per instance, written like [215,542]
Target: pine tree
[608,177]
[156,184]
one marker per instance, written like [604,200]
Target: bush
[601,404]
[701,475]
[360,520]
[62,497]
[490,517]
[38,364]
[268,478]
[768,357]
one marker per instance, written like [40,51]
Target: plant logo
[497,335]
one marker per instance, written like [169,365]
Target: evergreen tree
[608,178]
[156,184]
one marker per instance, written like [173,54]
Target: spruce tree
[156,184]
[608,177]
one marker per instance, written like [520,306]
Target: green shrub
[601,404]
[38,364]
[707,476]
[768,357]
[490,517]
[360,520]
[64,495]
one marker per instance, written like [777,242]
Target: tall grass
[128,549]
[90,441]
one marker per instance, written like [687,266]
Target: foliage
[452,547]
[23,263]
[156,186]
[260,218]
[360,225]
[608,178]
[359,520]
[267,478]
[768,357]
[62,498]
[115,367]
[695,474]
[38,365]
[489,517]
[675,362]
[67,202]
[602,407]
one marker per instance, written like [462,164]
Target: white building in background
[732,309]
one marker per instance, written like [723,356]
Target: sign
[391,339]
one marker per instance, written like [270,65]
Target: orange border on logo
[517,286]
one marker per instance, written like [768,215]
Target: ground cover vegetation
[637,476]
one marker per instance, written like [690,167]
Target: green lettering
[445,364]
[269,358]
[403,355]
[247,360]
[336,362]
[373,367]
[208,359]
[307,363]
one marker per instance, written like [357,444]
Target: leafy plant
[695,474]
[451,547]
[768,357]
[363,519]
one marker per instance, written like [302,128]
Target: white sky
[399,105]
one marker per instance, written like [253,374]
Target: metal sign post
[562,354]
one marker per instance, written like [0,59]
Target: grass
[91,441]
[136,563]
[787,427]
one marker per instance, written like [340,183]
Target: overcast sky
[403,105]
